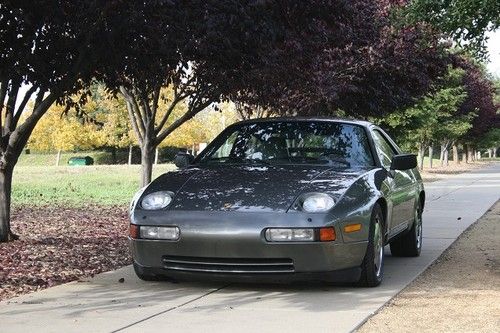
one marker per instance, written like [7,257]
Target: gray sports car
[281,199]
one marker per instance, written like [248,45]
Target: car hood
[251,188]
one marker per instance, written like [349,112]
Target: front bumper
[347,275]
[231,246]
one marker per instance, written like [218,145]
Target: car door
[402,185]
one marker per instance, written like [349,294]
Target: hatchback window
[299,142]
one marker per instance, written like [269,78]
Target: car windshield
[292,142]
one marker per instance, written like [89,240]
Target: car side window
[225,149]
[384,149]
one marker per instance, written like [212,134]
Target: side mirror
[183,160]
[404,162]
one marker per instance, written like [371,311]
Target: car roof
[363,123]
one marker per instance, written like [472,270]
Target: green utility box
[87,160]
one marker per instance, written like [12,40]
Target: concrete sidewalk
[103,304]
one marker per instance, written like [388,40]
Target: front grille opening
[229,265]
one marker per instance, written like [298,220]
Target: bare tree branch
[167,114]
[156,98]
[21,134]
[146,111]
[131,114]
[134,112]
[39,98]
[3,93]
[138,113]
[181,120]
[133,119]
[20,109]
[11,105]
[138,95]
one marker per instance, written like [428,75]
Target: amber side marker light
[326,234]
[134,231]
[352,227]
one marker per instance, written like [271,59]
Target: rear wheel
[410,244]
[372,268]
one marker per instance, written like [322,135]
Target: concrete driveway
[103,304]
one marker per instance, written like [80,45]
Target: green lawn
[49,159]
[435,162]
[76,186]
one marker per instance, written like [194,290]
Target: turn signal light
[326,234]
[134,231]
[352,227]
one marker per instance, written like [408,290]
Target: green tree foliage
[433,118]
[54,48]
[496,87]
[466,21]
[480,99]
[491,140]
[110,114]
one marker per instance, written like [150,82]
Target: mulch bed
[61,244]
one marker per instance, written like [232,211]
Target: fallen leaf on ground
[61,244]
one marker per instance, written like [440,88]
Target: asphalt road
[103,304]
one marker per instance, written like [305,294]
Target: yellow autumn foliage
[116,130]
[56,132]
[203,127]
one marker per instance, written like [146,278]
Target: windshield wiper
[231,159]
[220,159]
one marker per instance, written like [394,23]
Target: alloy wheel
[379,246]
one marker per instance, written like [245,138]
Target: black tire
[143,274]
[372,268]
[410,244]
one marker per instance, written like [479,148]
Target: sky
[494,53]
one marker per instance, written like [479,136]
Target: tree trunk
[5,196]
[495,152]
[441,154]
[113,155]
[489,153]
[130,155]
[456,160]
[431,153]
[156,155]
[13,142]
[446,157]
[421,153]
[470,154]
[147,158]
[58,157]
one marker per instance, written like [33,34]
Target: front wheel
[410,244]
[372,268]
